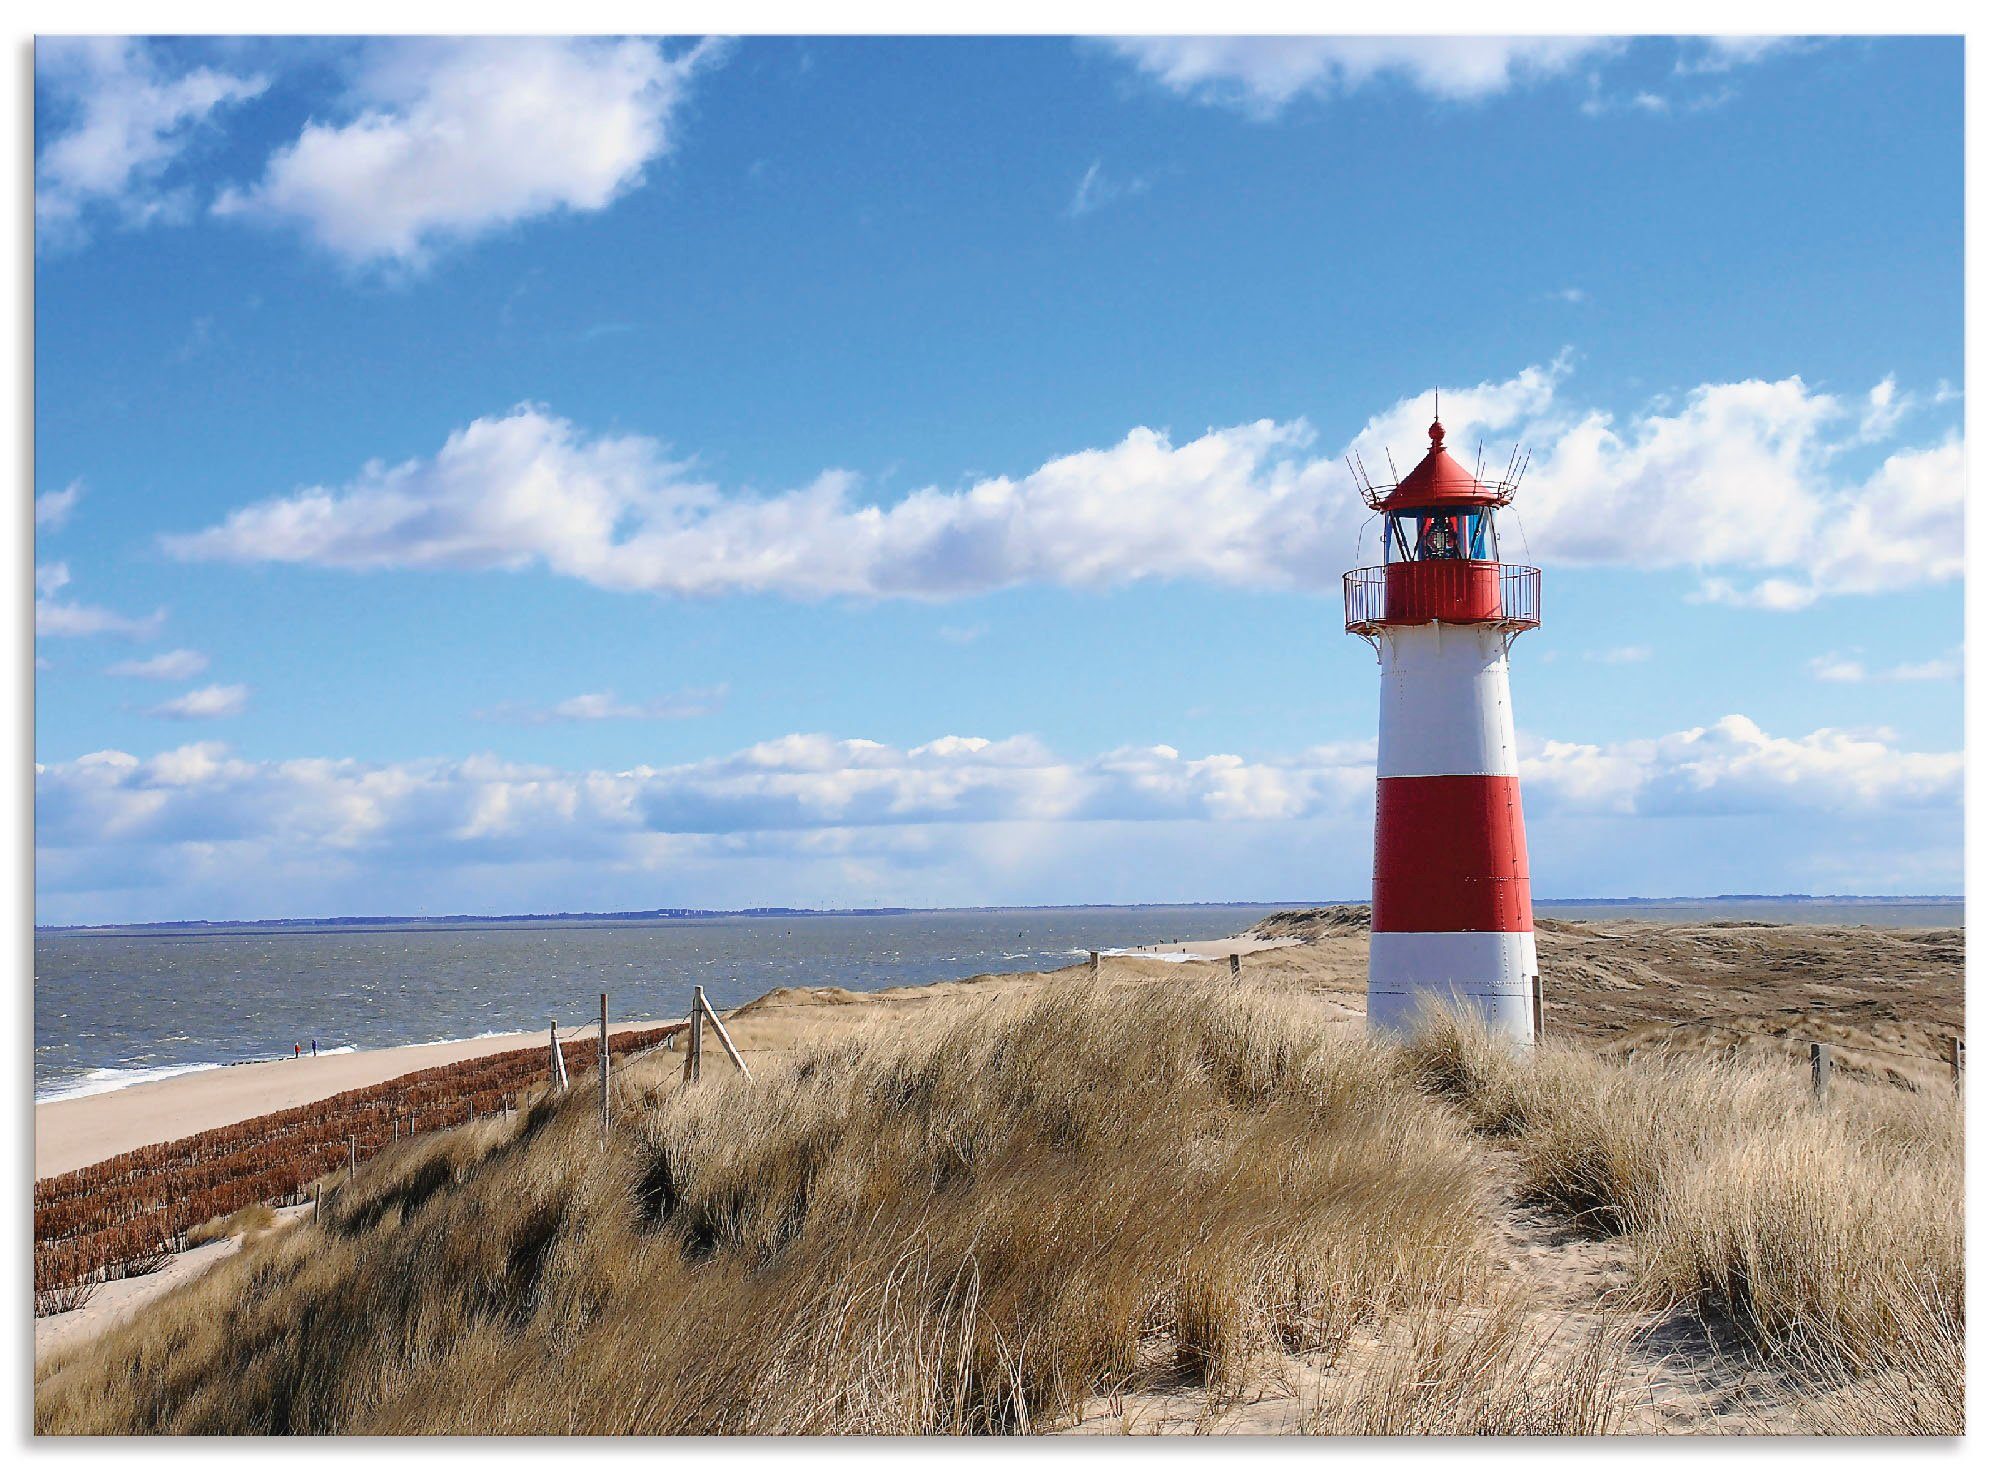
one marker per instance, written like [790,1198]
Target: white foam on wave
[112,1079]
[1169,956]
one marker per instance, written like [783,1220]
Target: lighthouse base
[1490,976]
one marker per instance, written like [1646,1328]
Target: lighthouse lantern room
[1452,922]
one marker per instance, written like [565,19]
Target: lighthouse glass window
[1438,535]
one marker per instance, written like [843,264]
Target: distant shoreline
[364,923]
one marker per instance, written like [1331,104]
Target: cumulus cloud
[53,507]
[117,113]
[178,663]
[56,618]
[805,808]
[1734,766]
[210,702]
[1741,481]
[686,704]
[452,139]
[1261,74]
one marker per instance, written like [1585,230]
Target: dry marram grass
[989,1219]
[1832,1236]
[967,1227]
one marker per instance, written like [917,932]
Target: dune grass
[248,1222]
[1830,1235]
[992,1220]
[972,1226]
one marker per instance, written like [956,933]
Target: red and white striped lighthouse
[1452,919]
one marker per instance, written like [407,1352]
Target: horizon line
[774,911]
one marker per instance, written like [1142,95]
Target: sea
[118,1006]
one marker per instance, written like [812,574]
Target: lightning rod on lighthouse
[1452,922]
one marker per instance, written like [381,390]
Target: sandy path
[74,1131]
[116,1301]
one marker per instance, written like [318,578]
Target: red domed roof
[1439,480]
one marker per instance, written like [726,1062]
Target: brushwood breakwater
[125,1214]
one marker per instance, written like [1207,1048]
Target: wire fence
[1887,1051]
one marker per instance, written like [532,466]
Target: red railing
[1448,590]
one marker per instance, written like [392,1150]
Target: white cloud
[178,663]
[1631,653]
[957,819]
[1725,53]
[452,139]
[120,115]
[1886,408]
[1738,479]
[1846,668]
[210,702]
[1261,74]
[686,704]
[1097,189]
[55,618]
[1834,668]
[53,507]
[1734,766]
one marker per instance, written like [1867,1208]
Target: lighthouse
[1452,922]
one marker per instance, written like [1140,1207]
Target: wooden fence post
[1236,967]
[604,1060]
[1093,964]
[350,1156]
[721,1032]
[691,1068]
[1822,1070]
[1535,988]
[1958,1061]
[558,1073]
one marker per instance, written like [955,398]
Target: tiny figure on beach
[295,1051]
[315,1046]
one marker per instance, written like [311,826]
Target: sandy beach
[74,1131]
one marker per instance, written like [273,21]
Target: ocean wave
[111,1079]
[1170,956]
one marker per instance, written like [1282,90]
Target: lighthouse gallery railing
[1447,590]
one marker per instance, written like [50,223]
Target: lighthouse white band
[1490,974]
[1446,710]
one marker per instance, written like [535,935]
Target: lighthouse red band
[1453,922]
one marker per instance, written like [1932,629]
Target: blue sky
[533,475]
